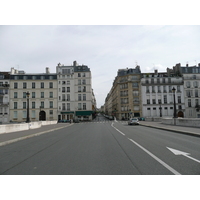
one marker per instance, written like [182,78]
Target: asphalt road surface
[103,147]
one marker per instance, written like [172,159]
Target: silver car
[133,121]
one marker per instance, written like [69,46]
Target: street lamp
[27,116]
[173,90]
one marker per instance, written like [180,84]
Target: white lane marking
[152,155]
[177,152]
[30,136]
[117,129]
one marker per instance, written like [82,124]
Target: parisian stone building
[175,92]
[4,97]
[75,95]
[42,88]
[123,100]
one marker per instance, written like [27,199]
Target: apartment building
[42,88]
[75,95]
[191,76]
[157,95]
[4,97]
[123,100]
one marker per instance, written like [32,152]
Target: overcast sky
[104,49]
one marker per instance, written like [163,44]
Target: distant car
[133,121]
[141,119]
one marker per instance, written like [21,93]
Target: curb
[30,136]
[173,130]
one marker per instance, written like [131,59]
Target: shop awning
[82,113]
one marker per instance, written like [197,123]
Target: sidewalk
[8,138]
[194,131]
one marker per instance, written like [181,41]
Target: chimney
[74,63]
[199,65]
[47,70]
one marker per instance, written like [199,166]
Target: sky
[103,48]
[105,36]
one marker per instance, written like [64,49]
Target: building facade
[158,97]
[191,76]
[75,95]
[42,100]
[123,100]
[4,97]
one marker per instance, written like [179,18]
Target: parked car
[133,121]
[141,119]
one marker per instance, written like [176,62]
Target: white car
[133,121]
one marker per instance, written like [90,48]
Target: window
[84,97]
[164,89]
[51,104]
[195,83]
[79,88]
[33,85]
[33,104]
[83,81]
[83,75]
[68,89]
[189,93]
[50,94]
[15,115]
[51,85]
[15,105]
[68,97]
[24,95]
[42,84]
[196,93]
[189,103]
[159,101]
[84,106]
[51,112]
[15,85]
[170,89]
[42,104]
[79,106]
[24,85]
[84,88]
[79,74]
[188,84]
[34,77]
[33,114]
[135,85]
[42,94]
[178,88]
[79,82]
[179,99]
[165,98]
[147,89]
[153,88]
[63,89]
[68,82]
[63,106]
[154,101]
[79,97]
[68,106]
[24,114]
[24,105]
[15,95]
[159,90]
[33,94]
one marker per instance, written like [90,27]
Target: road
[102,147]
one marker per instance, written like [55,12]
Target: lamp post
[27,116]
[173,90]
